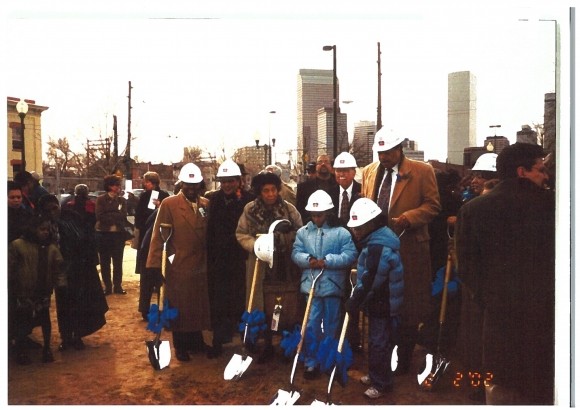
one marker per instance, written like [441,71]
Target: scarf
[263,216]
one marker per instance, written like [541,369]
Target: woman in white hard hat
[186,275]
[226,258]
[483,170]
[256,219]
[323,244]
[379,290]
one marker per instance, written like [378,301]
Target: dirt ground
[114,369]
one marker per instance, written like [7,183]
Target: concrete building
[315,91]
[527,135]
[32,141]
[325,139]
[461,114]
[362,142]
[411,150]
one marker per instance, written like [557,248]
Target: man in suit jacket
[411,200]
[343,196]
[324,180]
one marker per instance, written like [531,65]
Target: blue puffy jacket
[335,246]
[380,283]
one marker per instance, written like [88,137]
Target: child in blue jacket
[379,290]
[323,244]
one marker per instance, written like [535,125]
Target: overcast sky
[210,76]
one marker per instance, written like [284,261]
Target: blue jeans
[324,311]
[381,333]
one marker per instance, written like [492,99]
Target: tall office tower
[362,142]
[315,91]
[461,113]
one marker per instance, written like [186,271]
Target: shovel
[436,365]
[339,350]
[288,398]
[239,363]
[159,351]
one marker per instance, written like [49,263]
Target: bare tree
[192,154]
[62,159]
[539,128]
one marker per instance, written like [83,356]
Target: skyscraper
[362,143]
[315,91]
[461,114]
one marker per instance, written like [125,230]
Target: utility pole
[115,141]
[379,107]
[128,150]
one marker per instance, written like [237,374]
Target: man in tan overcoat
[186,269]
[411,201]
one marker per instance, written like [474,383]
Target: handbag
[135,241]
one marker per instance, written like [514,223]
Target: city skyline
[216,86]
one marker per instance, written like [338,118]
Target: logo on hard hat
[381,143]
[192,175]
[315,204]
[354,217]
[341,161]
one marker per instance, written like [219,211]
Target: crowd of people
[392,228]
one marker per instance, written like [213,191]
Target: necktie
[385,194]
[344,207]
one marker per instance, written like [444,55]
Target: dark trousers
[111,246]
[381,332]
[191,341]
[149,280]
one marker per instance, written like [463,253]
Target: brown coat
[186,276]
[415,195]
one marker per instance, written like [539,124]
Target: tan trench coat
[415,195]
[186,276]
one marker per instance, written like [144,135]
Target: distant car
[64,198]
[137,192]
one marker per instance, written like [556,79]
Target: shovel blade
[159,353]
[321,403]
[435,367]
[285,398]
[236,367]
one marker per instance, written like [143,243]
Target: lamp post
[271,141]
[22,109]
[492,148]
[334,100]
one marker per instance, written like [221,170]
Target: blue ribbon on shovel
[256,322]
[328,356]
[157,321]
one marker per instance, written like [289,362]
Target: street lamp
[334,100]
[22,109]
[492,147]
[270,141]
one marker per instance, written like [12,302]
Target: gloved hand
[351,307]
[283,227]
[401,222]
[313,263]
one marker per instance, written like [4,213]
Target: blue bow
[329,356]
[290,341]
[256,322]
[158,322]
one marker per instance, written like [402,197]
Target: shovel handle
[445,284]
[254,281]
[307,312]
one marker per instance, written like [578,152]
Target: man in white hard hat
[186,275]
[406,191]
[226,258]
[379,289]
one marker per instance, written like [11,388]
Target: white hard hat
[229,168]
[385,139]
[264,248]
[345,160]
[272,227]
[486,162]
[319,201]
[190,174]
[362,211]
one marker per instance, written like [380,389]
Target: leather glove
[283,227]
[313,263]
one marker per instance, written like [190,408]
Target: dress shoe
[31,344]
[120,291]
[78,344]
[214,351]
[107,292]
[145,316]
[182,355]
[47,356]
[64,345]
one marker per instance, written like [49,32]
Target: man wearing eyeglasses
[505,243]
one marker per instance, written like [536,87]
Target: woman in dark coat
[81,307]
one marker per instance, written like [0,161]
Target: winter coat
[335,246]
[505,243]
[380,282]
[416,196]
[111,213]
[23,266]
[186,275]
[249,226]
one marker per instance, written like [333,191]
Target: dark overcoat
[505,244]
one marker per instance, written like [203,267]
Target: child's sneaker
[373,393]
[47,356]
[366,380]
